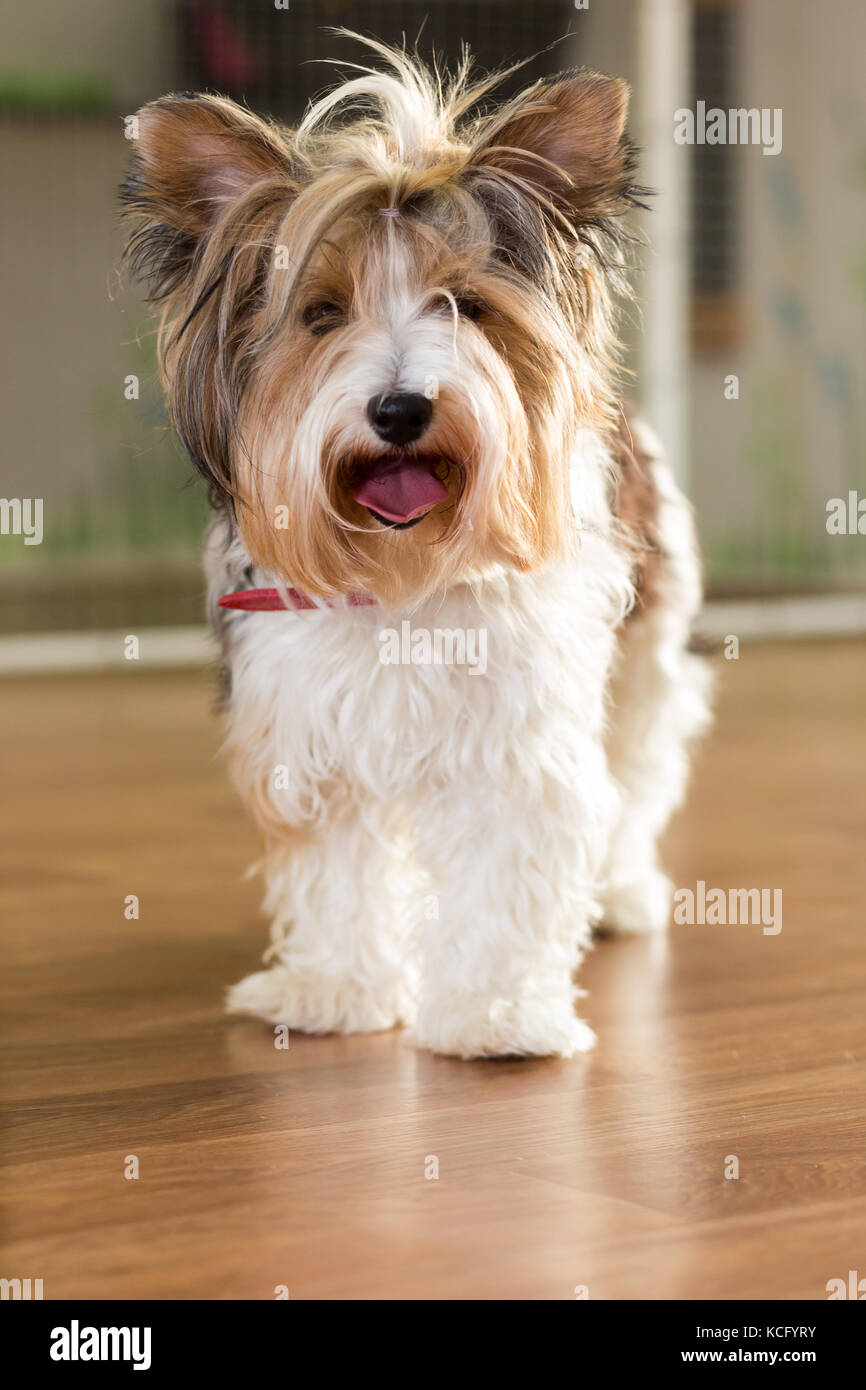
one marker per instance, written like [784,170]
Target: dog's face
[381,334]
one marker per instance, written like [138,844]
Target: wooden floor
[306,1168]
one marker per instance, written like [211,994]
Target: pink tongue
[404,492]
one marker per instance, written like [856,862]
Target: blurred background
[757,270]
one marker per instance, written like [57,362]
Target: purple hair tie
[389,212]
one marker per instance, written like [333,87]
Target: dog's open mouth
[400,489]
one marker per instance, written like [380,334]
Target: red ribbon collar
[271,601]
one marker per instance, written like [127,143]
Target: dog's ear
[563,141]
[194,157]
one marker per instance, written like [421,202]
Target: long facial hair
[492,288]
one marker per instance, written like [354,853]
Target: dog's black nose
[400,418]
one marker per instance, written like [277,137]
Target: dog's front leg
[339,959]
[514,864]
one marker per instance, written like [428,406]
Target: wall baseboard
[182,648]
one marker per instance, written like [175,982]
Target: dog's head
[381,330]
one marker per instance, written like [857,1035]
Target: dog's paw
[313,1003]
[472,1026]
[638,905]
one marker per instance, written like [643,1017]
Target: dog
[388,342]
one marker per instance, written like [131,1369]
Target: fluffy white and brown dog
[388,343]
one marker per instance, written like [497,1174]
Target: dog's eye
[467,307]
[322,317]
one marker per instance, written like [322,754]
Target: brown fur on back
[636,507]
